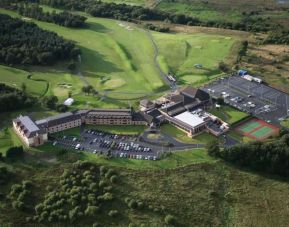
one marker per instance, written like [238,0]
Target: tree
[50,101]
[213,148]
[220,101]
[23,87]
[61,108]
[14,152]
[223,67]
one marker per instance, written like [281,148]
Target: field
[229,114]
[179,53]
[257,129]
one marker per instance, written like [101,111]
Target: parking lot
[258,99]
[98,142]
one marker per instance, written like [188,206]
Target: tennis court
[257,129]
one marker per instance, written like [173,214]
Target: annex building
[185,109]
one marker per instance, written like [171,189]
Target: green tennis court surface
[263,132]
[257,129]
[249,126]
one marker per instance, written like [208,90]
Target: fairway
[180,53]
[257,129]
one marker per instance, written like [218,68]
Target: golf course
[118,61]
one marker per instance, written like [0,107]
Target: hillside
[206,193]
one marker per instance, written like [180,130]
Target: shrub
[113,179]
[132,225]
[109,173]
[27,184]
[170,219]
[132,204]
[91,210]
[113,213]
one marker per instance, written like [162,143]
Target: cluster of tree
[51,102]
[156,28]
[131,13]
[25,43]
[89,90]
[278,36]
[270,157]
[20,195]
[83,191]
[63,18]
[13,99]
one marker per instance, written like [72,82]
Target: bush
[170,220]
[132,204]
[113,213]
[113,179]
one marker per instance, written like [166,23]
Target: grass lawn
[229,114]
[15,77]
[180,52]
[182,136]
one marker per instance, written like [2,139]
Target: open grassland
[228,10]
[180,52]
[229,114]
[199,10]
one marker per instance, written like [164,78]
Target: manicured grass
[229,114]
[180,52]
[182,136]
[16,77]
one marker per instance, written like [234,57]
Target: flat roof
[190,119]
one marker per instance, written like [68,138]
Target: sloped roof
[195,93]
